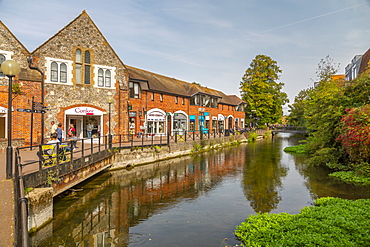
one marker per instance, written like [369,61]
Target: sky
[211,42]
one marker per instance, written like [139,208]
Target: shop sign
[132,113]
[155,116]
[83,111]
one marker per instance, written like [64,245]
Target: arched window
[100,78]
[2,59]
[63,73]
[54,72]
[87,67]
[107,78]
[83,67]
[78,56]
[78,66]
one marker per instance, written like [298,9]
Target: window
[183,101]
[161,97]
[83,67]
[54,72]
[100,78]
[135,91]
[2,59]
[152,96]
[63,73]
[177,100]
[107,78]
[104,76]
[58,72]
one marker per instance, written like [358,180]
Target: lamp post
[10,68]
[109,101]
[29,60]
[201,123]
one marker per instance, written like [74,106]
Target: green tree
[324,108]
[261,91]
[297,109]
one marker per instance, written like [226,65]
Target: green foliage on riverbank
[299,149]
[336,113]
[331,222]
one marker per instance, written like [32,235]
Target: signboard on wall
[83,111]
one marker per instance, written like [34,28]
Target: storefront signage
[83,111]
[155,116]
[132,113]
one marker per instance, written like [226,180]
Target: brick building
[87,83]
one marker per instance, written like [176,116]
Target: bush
[331,222]
[299,149]
[252,136]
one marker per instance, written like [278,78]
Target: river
[190,201]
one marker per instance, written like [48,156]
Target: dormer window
[135,90]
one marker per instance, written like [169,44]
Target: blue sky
[211,42]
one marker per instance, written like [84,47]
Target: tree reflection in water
[263,173]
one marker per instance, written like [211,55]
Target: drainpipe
[29,59]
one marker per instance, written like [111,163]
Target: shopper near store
[71,136]
[59,132]
[89,129]
[53,128]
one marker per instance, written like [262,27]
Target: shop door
[77,123]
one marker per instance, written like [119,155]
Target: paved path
[6,206]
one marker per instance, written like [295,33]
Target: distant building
[359,64]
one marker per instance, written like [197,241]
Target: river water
[192,201]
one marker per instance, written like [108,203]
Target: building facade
[359,64]
[87,84]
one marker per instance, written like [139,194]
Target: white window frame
[8,56]
[112,76]
[69,75]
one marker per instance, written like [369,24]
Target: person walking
[59,132]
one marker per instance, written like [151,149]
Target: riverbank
[141,156]
[331,222]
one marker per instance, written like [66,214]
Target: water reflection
[263,173]
[192,201]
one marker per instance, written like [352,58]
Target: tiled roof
[160,83]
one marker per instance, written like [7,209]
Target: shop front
[156,122]
[84,118]
[221,123]
[180,121]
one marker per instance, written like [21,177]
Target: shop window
[135,90]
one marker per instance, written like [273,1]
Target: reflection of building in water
[128,197]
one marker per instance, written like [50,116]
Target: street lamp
[109,101]
[10,68]
[201,123]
